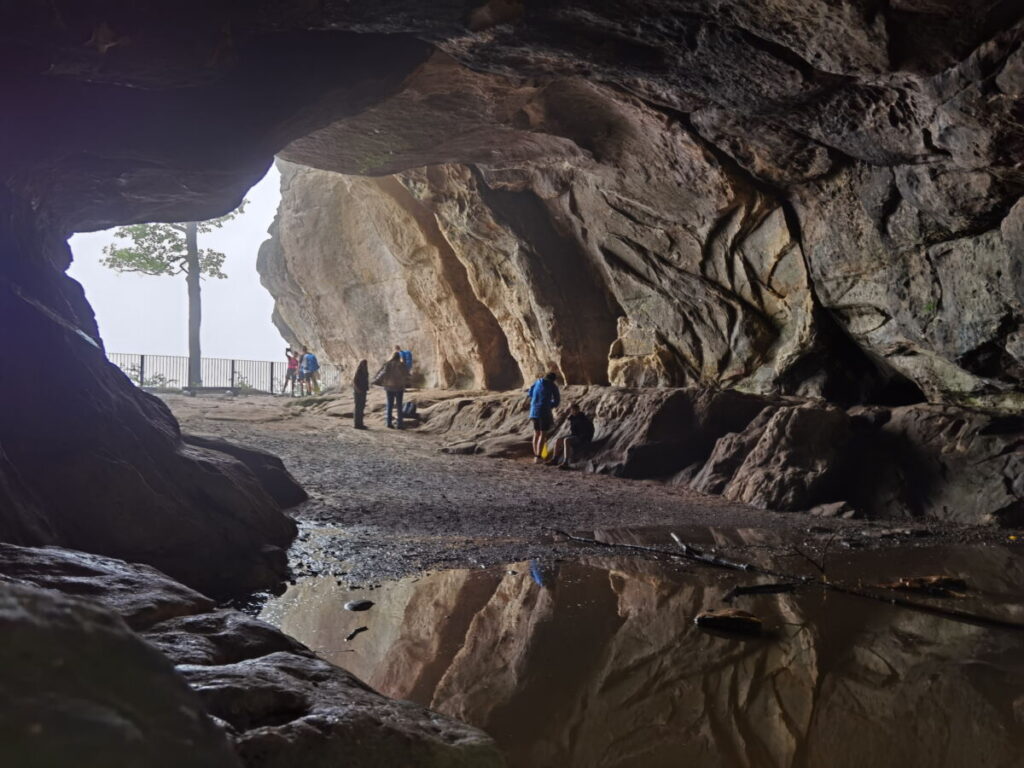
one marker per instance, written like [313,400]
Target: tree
[173,249]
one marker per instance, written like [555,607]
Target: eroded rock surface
[833,218]
[928,461]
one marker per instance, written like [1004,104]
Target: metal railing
[170,372]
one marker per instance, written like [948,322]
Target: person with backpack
[544,398]
[394,377]
[581,433]
[309,372]
[360,386]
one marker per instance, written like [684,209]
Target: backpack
[409,410]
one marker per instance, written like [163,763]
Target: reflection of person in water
[544,575]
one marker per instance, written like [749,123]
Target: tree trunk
[195,311]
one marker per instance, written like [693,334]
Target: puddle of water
[597,663]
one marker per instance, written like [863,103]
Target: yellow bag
[544,451]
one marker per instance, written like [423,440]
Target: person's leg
[399,396]
[559,443]
[391,405]
[358,409]
[538,438]
[570,444]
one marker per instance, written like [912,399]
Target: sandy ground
[386,503]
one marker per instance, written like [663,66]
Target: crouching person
[581,433]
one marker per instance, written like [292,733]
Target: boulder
[791,465]
[139,594]
[268,468]
[78,687]
[290,709]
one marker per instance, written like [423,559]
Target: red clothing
[293,363]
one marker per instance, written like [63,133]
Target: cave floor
[583,655]
[387,504]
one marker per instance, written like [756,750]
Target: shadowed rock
[77,687]
[281,704]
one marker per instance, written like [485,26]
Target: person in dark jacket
[581,432]
[544,398]
[360,386]
[394,377]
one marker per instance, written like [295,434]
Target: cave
[776,246]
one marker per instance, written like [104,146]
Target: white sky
[143,314]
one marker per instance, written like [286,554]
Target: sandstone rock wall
[810,198]
[844,228]
[358,266]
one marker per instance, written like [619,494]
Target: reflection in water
[598,663]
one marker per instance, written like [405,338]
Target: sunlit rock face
[786,199]
[358,266]
[599,663]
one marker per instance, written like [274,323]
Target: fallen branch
[901,602]
[693,554]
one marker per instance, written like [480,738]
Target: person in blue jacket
[544,398]
[309,373]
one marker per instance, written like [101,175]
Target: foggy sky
[143,314]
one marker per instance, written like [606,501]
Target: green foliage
[161,249]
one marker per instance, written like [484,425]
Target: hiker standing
[544,398]
[394,377]
[293,370]
[309,368]
[360,386]
[581,432]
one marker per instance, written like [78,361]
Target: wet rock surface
[73,674]
[139,594]
[290,709]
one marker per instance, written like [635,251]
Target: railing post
[271,377]
[232,373]
[142,370]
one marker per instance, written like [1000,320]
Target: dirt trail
[386,503]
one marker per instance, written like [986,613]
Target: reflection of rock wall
[604,667]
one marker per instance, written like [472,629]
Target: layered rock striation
[636,207]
